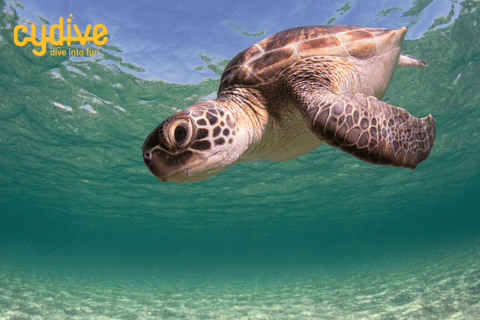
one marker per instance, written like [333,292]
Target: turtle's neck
[248,108]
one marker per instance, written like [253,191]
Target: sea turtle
[289,93]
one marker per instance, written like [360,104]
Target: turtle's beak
[159,168]
[172,167]
[159,161]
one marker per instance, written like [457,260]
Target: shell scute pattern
[288,94]
[262,61]
[266,65]
[360,43]
[331,45]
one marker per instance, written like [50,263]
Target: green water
[86,232]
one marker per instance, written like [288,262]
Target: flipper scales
[369,129]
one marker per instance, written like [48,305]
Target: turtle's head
[193,144]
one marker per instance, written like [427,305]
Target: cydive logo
[95,37]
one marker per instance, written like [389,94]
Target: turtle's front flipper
[368,128]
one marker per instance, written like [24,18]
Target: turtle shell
[265,59]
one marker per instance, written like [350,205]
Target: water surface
[86,232]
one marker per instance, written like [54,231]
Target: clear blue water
[86,232]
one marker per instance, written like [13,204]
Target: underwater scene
[88,232]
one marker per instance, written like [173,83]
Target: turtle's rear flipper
[405,61]
[368,128]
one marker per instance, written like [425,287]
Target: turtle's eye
[178,133]
[181,133]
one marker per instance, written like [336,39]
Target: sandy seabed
[439,285]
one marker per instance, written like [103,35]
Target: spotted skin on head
[288,94]
[181,147]
[214,127]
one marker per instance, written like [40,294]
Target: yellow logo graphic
[61,38]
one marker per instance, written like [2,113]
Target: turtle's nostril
[147,155]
